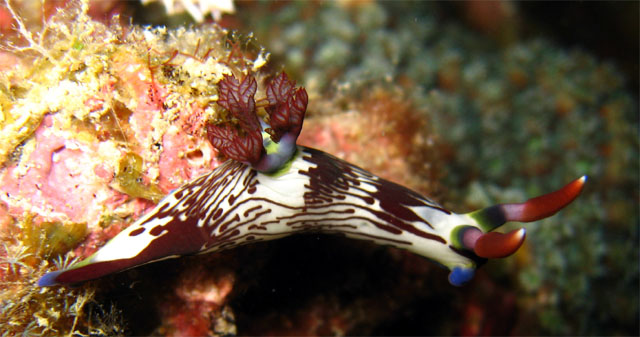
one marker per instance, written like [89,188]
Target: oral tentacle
[494,245]
[465,237]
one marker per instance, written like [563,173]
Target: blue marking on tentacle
[460,275]
[49,279]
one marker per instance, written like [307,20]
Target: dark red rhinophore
[243,144]
[244,141]
[546,205]
[287,106]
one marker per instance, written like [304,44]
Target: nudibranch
[270,187]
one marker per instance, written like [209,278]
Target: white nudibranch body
[272,188]
[315,192]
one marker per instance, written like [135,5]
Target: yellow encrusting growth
[73,62]
[28,251]
[53,76]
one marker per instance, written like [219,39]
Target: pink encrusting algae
[59,180]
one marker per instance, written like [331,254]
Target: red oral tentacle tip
[494,245]
[544,205]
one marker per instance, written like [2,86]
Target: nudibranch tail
[83,271]
[49,279]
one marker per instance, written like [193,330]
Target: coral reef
[198,10]
[408,150]
[99,120]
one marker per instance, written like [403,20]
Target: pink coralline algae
[198,304]
[403,142]
[62,181]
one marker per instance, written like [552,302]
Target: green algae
[50,239]
[129,179]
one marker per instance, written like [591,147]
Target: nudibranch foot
[461,275]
